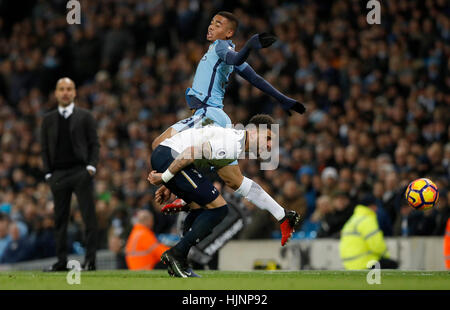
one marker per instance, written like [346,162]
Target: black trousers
[63,183]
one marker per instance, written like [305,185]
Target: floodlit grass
[227,280]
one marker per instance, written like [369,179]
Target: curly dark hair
[262,119]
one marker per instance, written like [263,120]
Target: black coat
[83,132]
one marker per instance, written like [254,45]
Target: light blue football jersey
[209,86]
[212,74]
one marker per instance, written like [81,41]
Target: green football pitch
[227,280]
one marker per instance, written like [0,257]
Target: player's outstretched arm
[288,104]
[231,57]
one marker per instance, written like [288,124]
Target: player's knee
[232,183]
[217,203]
[158,141]
[221,212]
[165,135]
[155,143]
[194,206]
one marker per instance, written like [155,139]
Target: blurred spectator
[42,238]
[5,238]
[143,250]
[392,195]
[117,41]
[118,233]
[17,249]
[116,245]
[292,198]
[311,226]
[333,221]
[304,177]
[329,180]
[103,212]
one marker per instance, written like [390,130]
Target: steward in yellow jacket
[362,240]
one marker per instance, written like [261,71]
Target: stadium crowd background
[377,100]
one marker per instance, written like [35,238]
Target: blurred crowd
[377,98]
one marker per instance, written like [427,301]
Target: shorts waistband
[196,104]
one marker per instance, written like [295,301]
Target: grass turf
[227,280]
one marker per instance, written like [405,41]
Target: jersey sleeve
[222,48]
[241,67]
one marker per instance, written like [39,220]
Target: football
[422,194]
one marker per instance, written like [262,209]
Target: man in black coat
[70,151]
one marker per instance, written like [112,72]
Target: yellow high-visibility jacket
[361,239]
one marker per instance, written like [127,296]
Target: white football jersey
[227,144]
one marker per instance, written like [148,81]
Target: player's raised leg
[233,178]
[169,132]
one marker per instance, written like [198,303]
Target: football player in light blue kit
[205,97]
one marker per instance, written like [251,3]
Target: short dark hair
[259,119]
[232,18]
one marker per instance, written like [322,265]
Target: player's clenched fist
[155,178]
[266,39]
[162,195]
[262,40]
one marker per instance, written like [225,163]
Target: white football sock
[254,193]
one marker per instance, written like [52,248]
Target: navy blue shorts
[188,184]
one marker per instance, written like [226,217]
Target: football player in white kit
[174,162]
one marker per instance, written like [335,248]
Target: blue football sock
[201,228]
[190,218]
